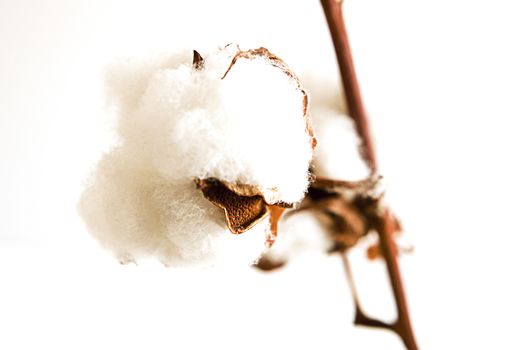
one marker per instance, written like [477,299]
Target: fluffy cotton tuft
[337,153]
[177,123]
[336,156]
[246,128]
[299,233]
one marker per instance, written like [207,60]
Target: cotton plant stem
[356,109]
[386,222]
[402,326]
[360,317]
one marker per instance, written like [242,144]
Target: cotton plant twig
[402,326]
[386,224]
[334,16]
[360,317]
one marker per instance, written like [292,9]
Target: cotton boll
[337,153]
[299,233]
[240,119]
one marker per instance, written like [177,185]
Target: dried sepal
[244,205]
[198,61]
[345,224]
[270,195]
[276,212]
[350,210]
[242,212]
[243,189]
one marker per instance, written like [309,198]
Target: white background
[444,83]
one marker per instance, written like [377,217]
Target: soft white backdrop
[444,82]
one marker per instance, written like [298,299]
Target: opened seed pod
[213,148]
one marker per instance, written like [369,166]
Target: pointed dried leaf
[198,61]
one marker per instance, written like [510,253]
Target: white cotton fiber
[176,123]
[300,232]
[136,213]
[336,156]
[337,153]
[246,128]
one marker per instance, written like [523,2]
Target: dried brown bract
[198,61]
[244,205]
[242,211]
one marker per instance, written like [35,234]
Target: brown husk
[244,205]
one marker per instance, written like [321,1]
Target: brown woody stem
[360,317]
[356,109]
[386,225]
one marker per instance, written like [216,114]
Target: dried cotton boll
[237,122]
[337,153]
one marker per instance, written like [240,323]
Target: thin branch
[401,326]
[360,317]
[386,228]
[354,103]
[386,223]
